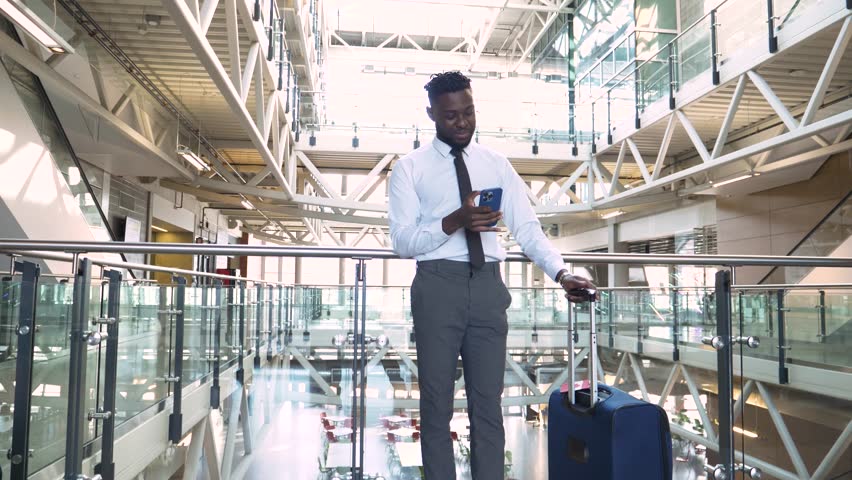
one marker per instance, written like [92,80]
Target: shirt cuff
[552,268]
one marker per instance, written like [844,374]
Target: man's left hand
[570,282]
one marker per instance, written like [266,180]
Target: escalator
[830,237]
[68,171]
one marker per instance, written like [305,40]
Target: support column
[298,271]
[617,274]
[385,272]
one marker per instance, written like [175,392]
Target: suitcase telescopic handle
[589,295]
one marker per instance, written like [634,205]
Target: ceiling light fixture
[246,204]
[159,229]
[747,433]
[732,180]
[192,158]
[34,26]
[153,20]
[612,214]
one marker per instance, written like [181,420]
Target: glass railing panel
[197,333]
[653,77]
[583,116]
[260,321]
[741,25]
[790,11]
[251,306]
[692,51]
[49,413]
[623,103]
[275,307]
[838,319]
[755,314]
[804,322]
[658,315]
[10,303]
[626,312]
[228,313]
[144,350]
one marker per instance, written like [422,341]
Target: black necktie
[474,243]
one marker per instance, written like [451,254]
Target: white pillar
[617,273]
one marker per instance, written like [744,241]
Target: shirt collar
[444,150]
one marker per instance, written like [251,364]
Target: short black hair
[446,82]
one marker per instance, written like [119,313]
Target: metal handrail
[814,286]
[18,246]
[136,266]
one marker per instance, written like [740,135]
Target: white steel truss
[270,114]
[746,160]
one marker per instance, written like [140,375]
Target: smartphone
[491,197]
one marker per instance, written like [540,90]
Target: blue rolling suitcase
[602,433]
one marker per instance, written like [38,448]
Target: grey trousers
[459,310]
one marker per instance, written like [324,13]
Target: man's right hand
[471,217]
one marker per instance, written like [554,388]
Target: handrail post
[215,390]
[270,36]
[282,306]
[672,80]
[594,134]
[77,388]
[19,454]
[783,372]
[640,310]
[675,325]
[609,117]
[572,339]
[176,417]
[770,22]
[241,334]
[270,316]
[258,324]
[611,324]
[572,87]
[637,96]
[106,468]
[725,370]
[822,312]
[714,47]
[359,367]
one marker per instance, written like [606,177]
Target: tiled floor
[293,444]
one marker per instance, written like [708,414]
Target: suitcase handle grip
[589,294]
[603,393]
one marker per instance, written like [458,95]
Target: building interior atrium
[198,274]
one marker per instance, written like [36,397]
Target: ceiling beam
[529,48]
[509,6]
[485,34]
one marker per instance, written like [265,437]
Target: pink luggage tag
[577,386]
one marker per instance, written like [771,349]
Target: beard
[448,137]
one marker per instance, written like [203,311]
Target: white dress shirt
[424,189]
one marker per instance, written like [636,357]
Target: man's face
[455,117]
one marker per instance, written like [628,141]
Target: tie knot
[456,152]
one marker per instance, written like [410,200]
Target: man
[458,299]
